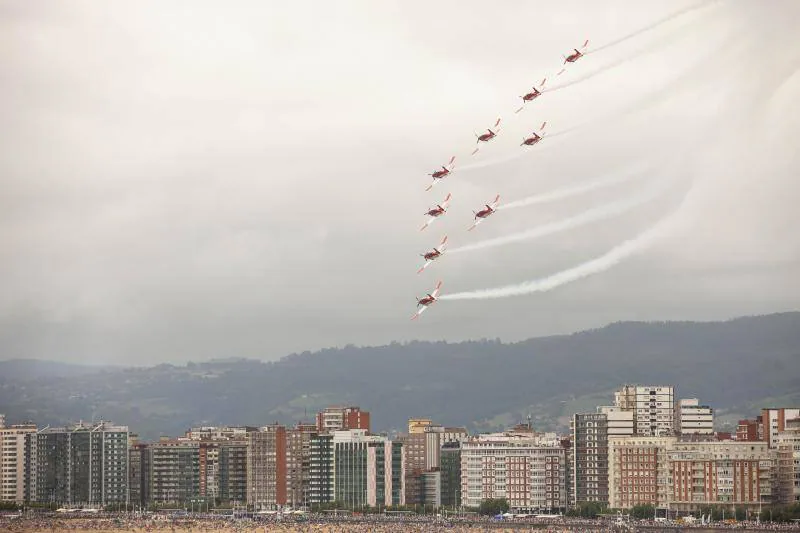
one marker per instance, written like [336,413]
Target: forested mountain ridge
[734,366]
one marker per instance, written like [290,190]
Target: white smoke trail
[654,25]
[592,215]
[595,266]
[646,49]
[568,192]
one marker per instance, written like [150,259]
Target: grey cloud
[192,180]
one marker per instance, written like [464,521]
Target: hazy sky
[188,180]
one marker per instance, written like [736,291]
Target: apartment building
[298,463]
[321,471]
[750,430]
[638,471]
[720,473]
[774,420]
[232,472]
[693,418]
[266,467]
[422,449]
[12,460]
[450,474]
[218,433]
[517,467]
[84,464]
[589,458]
[454,434]
[787,443]
[171,471]
[368,469]
[138,474]
[337,418]
[653,408]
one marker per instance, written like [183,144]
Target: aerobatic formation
[528,142]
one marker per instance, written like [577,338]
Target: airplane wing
[435,292]
[496,201]
[520,109]
[452,160]
[446,201]
[497,123]
[542,84]
[543,125]
[443,244]
[428,223]
[426,265]
[475,224]
[431,185]
[419,312]
[475,151]
[585,43]
[560,72]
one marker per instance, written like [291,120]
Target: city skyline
[619,455]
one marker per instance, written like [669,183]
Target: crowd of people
[316,523]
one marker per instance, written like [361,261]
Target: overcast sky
[190,180]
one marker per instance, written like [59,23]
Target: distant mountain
[735,366]
[26,369]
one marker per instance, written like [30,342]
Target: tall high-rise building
[171,471]
[12,460]
[337,418]
[266,467]
[368,469]
[298,463]
[422,448]
[774,420]
[693,418]
[590,458]
[653,408]
[788,444]
[589,451]
[138,473]
[450,468]
[84,464]
[233,471]
[322,489]
[530,476]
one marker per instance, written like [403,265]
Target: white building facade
[531,477]
[693,418]
[653,408]
[12,462]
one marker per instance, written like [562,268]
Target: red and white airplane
[575,56]
[578,53]
[483,214]
[529,97]
[427,300]
[535,137]
[488,136]
[433,255]
[439,174]
[436,212]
